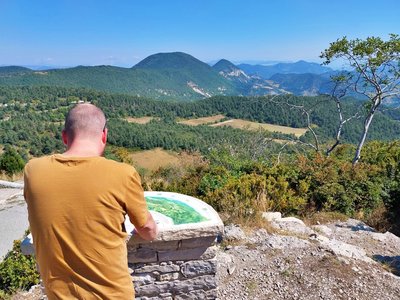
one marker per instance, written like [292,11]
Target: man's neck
[80,153]
[78,149]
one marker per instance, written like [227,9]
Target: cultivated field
[202,121]
[243,124]
[282,142]
[154,159]
[141,120]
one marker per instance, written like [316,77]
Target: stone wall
[178,269]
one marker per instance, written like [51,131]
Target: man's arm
[137,209]
[149,230]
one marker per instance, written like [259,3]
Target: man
[77,202]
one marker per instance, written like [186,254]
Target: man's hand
[149,230]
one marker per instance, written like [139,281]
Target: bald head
[84,121]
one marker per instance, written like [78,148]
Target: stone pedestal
[177,272]
[180,263]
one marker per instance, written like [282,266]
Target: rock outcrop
[340,260]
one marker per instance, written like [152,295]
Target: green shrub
[11,162]
[240,197]
[337,186]
[17,271]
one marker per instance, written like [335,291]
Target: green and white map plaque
[180,216]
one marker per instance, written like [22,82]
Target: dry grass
[280,141]
[324,218]
[141,120]
[379,219]
[15,177]
[202,121]
[157,158]
[390,267]
[154,159]
[248,125]
[249,224]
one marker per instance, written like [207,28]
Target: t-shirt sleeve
[136,206]
[26,180]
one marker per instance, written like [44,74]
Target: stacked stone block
[174,269]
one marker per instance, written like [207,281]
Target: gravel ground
[304,268]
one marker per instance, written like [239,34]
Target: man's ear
[64,137]
[104,136]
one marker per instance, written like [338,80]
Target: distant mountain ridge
[299,67]
[180,76]
[14,70]
[248,85]
[307,84]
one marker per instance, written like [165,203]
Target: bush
[11,162]
[240,197]
[337,186]
[17,271]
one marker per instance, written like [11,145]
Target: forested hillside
[32,120]
[176,76]
[31,117]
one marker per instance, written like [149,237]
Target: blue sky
[69,32]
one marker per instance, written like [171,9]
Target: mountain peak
[224,65]
[169,60]
[230,71]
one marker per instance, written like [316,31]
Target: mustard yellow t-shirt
[76,209]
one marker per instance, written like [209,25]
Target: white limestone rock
[271,216]
[343,249]
[258,236]
[234,233]
[225,263]
[292,225]
[322,229]
[11,184]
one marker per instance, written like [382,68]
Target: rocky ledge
[340,260]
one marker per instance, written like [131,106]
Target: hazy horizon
[211,63]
